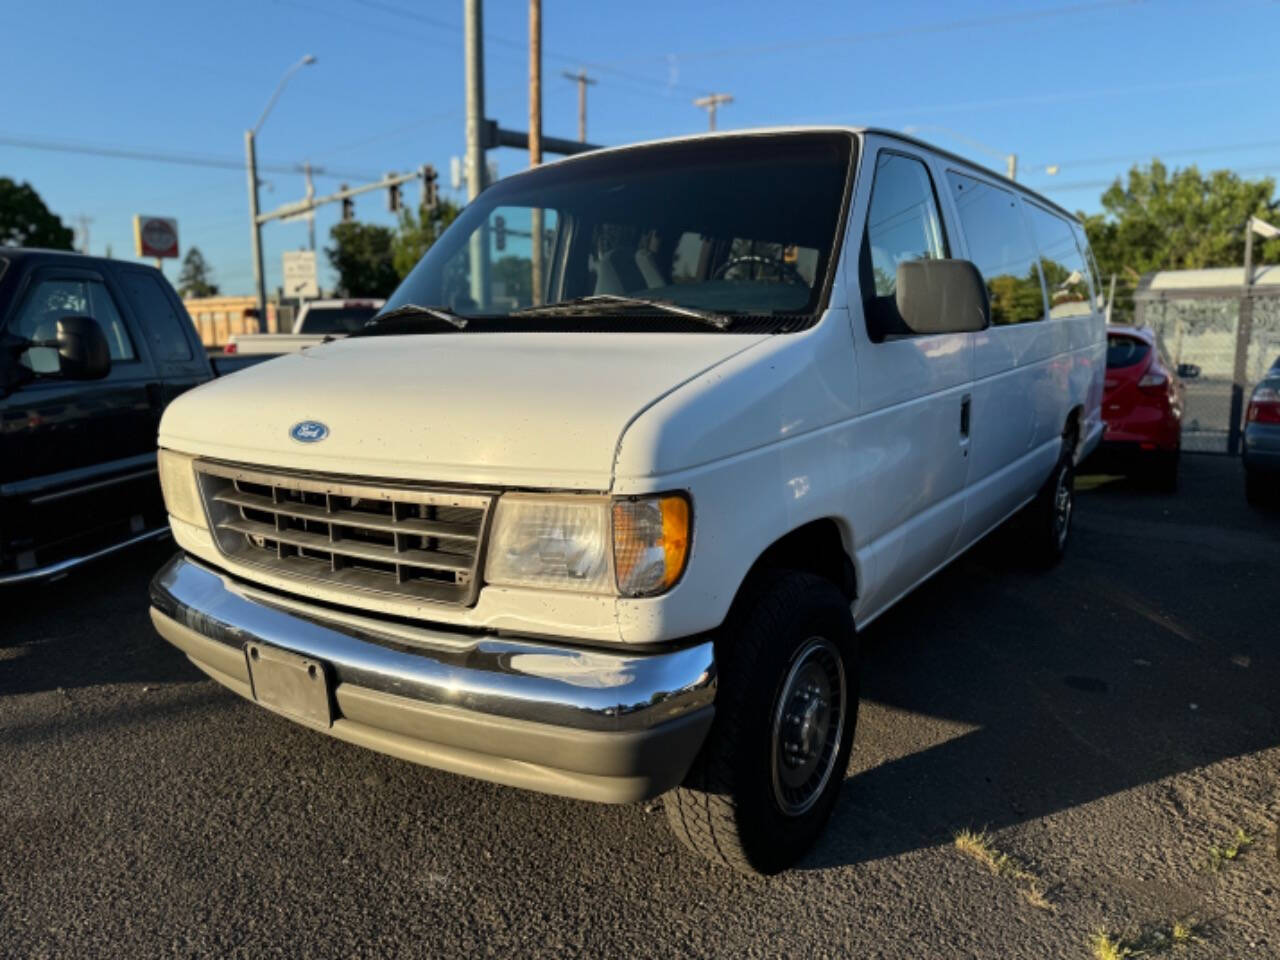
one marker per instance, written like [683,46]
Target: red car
[1142,405]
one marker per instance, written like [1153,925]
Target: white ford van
[597,504]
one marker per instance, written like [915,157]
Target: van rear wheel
[766,780]
[1047,519]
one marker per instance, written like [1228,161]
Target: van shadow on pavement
[1151,650]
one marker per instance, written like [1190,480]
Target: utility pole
[710,103]
[255,228]
[1011,166]
[473,40]
[583,81]
[535,140]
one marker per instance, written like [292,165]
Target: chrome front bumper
[592,724]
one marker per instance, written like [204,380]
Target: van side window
[999,246]
[902,222]
[1065,272]
[1082,241]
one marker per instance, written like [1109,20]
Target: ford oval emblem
[308,431]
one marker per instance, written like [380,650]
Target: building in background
[218,318]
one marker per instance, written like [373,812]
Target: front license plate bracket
[290,684]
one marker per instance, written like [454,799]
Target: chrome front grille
[402,540]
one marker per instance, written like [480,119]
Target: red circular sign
[159,238]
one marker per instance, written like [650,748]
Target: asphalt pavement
[1114,726]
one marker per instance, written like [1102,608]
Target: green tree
[26,222]
[417,232]
[361,255]
[196,278]
[1184,220]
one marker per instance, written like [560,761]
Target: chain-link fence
[1196,314]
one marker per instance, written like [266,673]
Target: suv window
[161,324]
[999,246]
[336,319]
[1065,271]
[902,222]
[51,300]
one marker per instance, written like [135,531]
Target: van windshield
[739,227]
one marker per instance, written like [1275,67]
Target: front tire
[766,780]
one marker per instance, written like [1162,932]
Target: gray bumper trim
[65,566]
[546,683]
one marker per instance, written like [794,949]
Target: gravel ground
[1107,724]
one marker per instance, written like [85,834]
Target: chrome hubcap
[808,722]
[1062,506]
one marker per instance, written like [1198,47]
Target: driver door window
[52,299]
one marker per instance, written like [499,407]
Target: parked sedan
[1142,405]
[1262,439]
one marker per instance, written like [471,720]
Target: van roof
[825,128]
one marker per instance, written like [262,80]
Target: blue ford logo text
[309,431]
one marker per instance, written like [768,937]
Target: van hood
[516,409]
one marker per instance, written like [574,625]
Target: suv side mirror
[82,348]
[1188,371]
[942,296]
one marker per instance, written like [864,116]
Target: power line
[1180,152]
[853,38]
[181,159]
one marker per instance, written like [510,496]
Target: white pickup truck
[597,506]
[318,321]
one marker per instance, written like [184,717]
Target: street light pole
[251,167]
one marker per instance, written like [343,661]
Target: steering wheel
[787,272]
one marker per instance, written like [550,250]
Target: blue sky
[1089,86]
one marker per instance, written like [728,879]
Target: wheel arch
[819,547]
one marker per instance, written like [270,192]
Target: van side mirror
[82,348]
[1188,371]
[942,296]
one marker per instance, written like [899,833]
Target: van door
[913,391]
[1013,359]
[80,467]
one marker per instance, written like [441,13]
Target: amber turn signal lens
[650,543]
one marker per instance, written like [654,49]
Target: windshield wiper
[594,302]
[417,310]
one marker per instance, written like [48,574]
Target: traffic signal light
[348,207]
[500,232]
[393,196]
[430,189]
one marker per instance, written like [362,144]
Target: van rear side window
[1000,247]
[1065,272]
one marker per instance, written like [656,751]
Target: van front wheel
[767,778]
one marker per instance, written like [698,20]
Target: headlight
[178,484]
[637,548]
[561,543]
